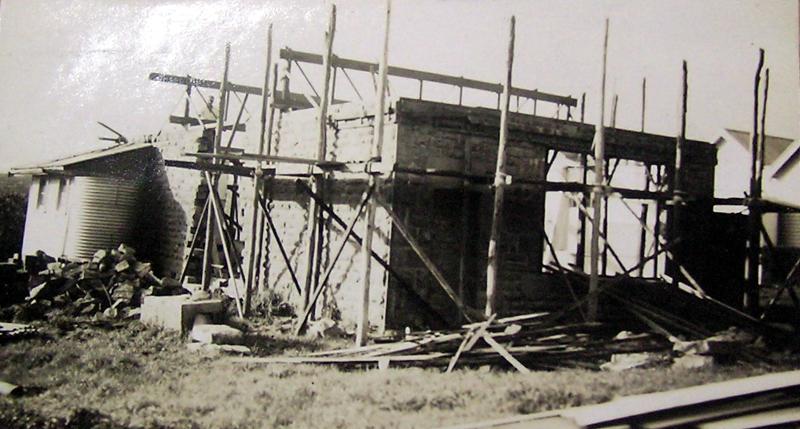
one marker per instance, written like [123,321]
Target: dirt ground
[130,375]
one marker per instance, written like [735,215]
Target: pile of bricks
[112,283]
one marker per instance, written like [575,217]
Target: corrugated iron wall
[101,214]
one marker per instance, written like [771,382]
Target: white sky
[65,64]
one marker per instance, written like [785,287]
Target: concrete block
[217,334]
[177,312]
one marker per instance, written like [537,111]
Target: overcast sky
[65,64]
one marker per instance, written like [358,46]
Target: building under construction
[434,174]
[387,217]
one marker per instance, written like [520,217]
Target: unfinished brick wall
[171,197]
[450,219]
[349,140]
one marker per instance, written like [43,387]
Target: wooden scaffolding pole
[580,252]
[257,224]
[677,187]
[499,183]
[263,238]
[643,232]
[763,137]
[657,226]
[754,216]
[312,263]
[644,101]
[216,207]
[362,331]
[609,179]
[312,300]
[597,191]
[210,239]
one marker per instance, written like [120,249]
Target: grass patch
[145,377]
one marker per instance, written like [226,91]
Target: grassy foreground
[144,377]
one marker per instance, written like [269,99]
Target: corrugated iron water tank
[789,230]
[101,214]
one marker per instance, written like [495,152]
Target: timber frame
[660,156]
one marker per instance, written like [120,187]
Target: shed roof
[773,146]
[64,163]
[786,159]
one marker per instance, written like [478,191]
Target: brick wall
[171,194]
[349,139]
[449,219]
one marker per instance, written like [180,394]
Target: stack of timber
[526,342]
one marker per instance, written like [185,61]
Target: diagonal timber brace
[398,223]
[301,322]
[358,240]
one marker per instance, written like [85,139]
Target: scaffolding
[661,159]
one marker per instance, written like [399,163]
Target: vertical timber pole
[186,105]
[257,225]
[614,111]
[657,217]
[677,191]
[263,233]
[644,100]
[210,239]
[312,260]
[763,137]
[597,190]
[499,184]
[580,252]
[606,244]
[362,331]
[754,215]
[643,232]
[583,106]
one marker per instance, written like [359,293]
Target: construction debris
[216,334]
[215,349]
[178,313]
[8,389]
[694,362]
[525,342]
[325,328]
[12,331]
[626,361]
[111,284]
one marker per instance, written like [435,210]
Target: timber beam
[461,82]
[293,101]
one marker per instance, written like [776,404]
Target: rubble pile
[111,284]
